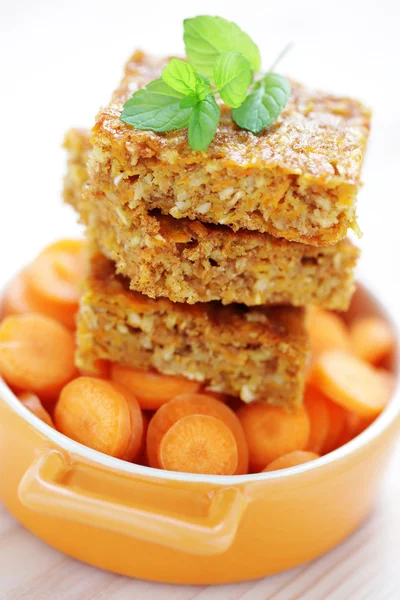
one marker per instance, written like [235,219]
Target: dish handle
[41,489]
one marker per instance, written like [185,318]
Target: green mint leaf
[190,100]
[181,76]
[157,107]
[203,123]
[207,37]
[277,88]
[264,104]
[232,75]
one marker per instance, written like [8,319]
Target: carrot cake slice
[298,179]
[257,353]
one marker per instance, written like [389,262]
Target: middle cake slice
[255,353]
[189,261]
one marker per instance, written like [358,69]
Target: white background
[61,59]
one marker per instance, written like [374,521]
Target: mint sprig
[222,59]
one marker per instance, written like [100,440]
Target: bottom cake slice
[257,353]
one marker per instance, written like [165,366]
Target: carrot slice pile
[189,404]
[350,382]
[372,339]
[36,354]
[32,402]
[272,432]
[53,280]
[152,389]
[318,412]
[293,459]
[199,444]
[100,415]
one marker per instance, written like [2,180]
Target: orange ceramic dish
[185,528]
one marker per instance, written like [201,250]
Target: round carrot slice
[272,432]
[337,425]
[141,457]
[353,426]
[199,444]
[350,382]
[217,395]
[326,331]
[372,339]
[293,459]
[15,299]
[36,354]
[95,413]
[152,389]
[32,402]
[190,404]
[72,246]
[136,416]
[54,279]
[101,368]
[317,409]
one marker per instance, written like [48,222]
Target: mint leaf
[232,75]
[189,101]
[157,107]
[264,104]
[207,37]
[182,77]
[277,88]
[203,123]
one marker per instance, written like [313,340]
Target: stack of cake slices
[202,263]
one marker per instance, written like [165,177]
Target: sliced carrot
[54,279]
[101,368]
[372,339]
[217,395]
[388,380]
[71,246]
[317,409]
[326,331]
[36,354]
[95,413]
[293,459]
[189,404]
[353,426]
[199,444]
[135,440]
[350,382]
[337,425]
[32,402]
[141,457]
[152,389]
[15,299]
[272,432]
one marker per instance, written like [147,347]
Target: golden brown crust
[254,353]
[298,179]
[189,261]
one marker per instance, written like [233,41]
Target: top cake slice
[297,179]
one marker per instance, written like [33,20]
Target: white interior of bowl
[382,422]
